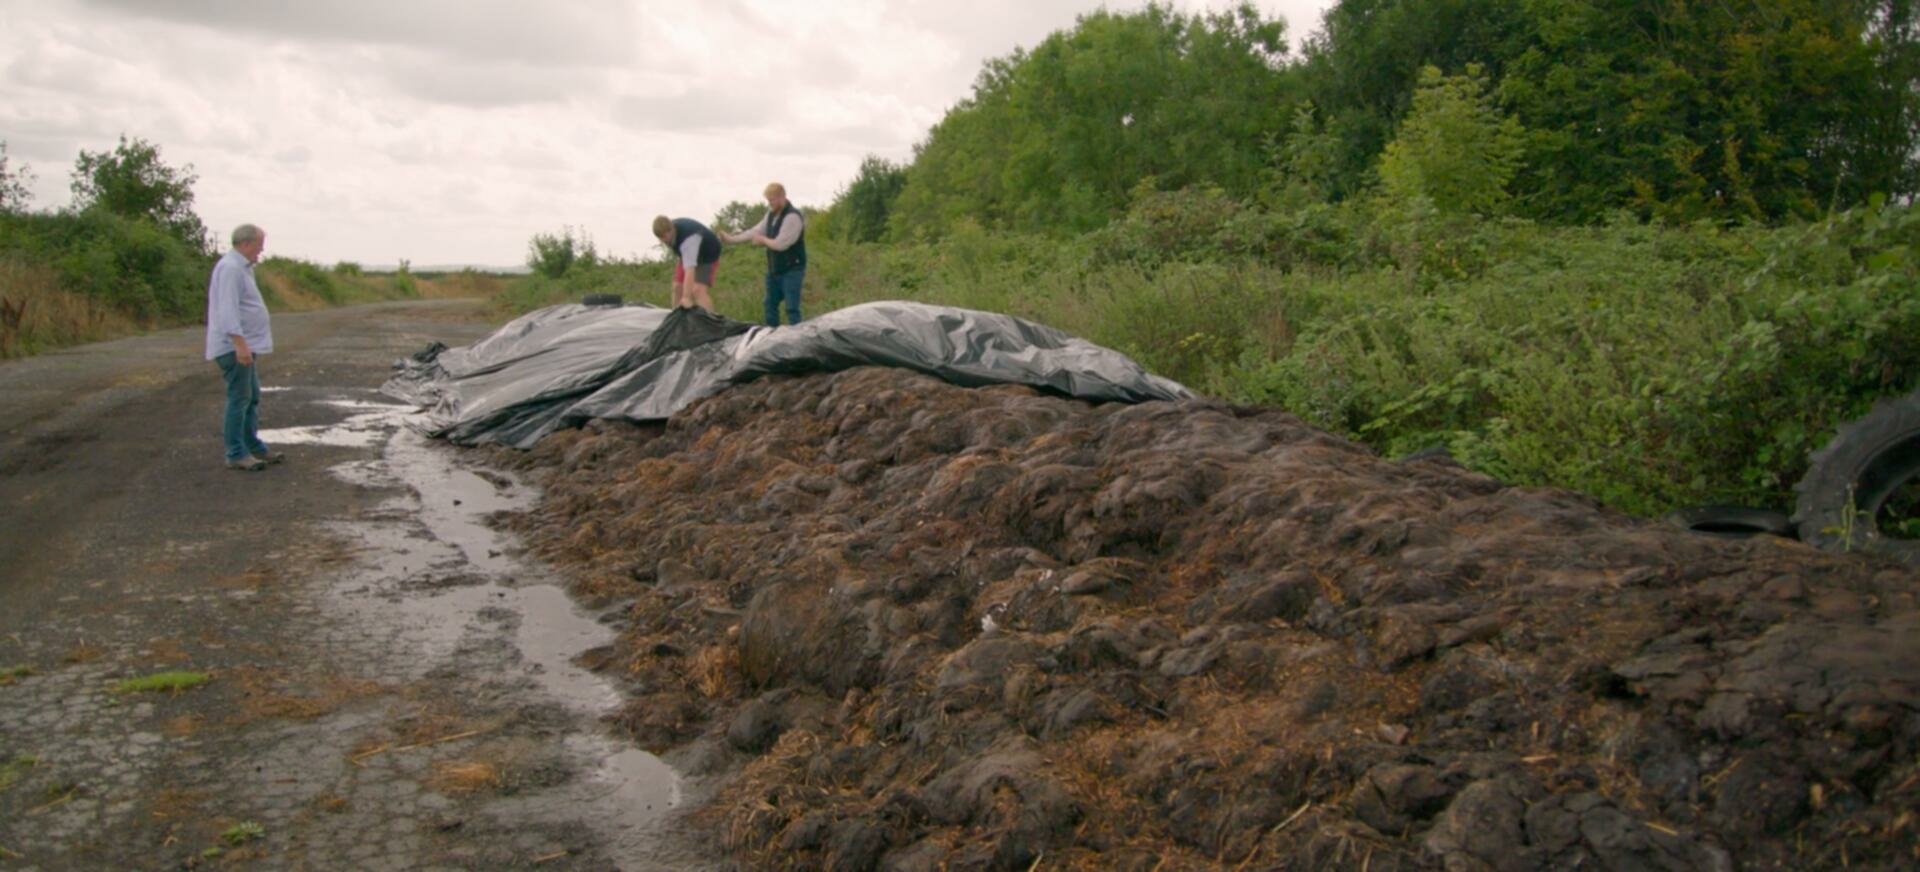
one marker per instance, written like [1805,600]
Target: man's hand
[241,353]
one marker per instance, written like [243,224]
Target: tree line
[130,240]
[130,252]
[1560,111]
[129,181]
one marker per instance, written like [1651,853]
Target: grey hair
[247,233]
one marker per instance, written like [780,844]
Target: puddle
[443,584]
[374,423]
[363,405]
[441,611]
[627,778]
[453,502]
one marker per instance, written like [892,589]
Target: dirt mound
[947,628]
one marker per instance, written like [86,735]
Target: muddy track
[390,683]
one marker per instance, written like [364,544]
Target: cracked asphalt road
[389,684]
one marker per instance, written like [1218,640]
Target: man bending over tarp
[698,251]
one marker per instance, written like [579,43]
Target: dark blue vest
[795,257]
[709,243]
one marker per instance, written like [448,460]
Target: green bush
[1166,226]
[1188,322]
[1650,366]
[1832,327]
[555,254]
[15,180]
[131,264]
[859,212]
[132,182]
[404,283]
[1454,148]
[1204,224]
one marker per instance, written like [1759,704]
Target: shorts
[702,273]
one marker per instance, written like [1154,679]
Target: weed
[57,794]
[11,674]
[243,832]
[13,770]
[1849,522]
[174,681]
[1899,515]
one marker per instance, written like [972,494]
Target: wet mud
[379,677]
[911,626]
[432,579]
[414,704]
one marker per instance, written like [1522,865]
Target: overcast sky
[451,131]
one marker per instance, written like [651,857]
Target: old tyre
[1852,481]
[1732,522]
[602,300]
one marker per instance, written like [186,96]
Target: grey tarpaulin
[563,365]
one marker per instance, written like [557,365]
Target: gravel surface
[384,680]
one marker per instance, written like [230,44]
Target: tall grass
[296,285]
[634,281]
[52,317]
[465,284]
[1651,366]
[94,275]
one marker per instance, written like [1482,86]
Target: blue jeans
[241,426]
[785,286]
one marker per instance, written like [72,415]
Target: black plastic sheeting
[563,365]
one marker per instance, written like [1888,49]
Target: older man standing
[784,235]
[238,332]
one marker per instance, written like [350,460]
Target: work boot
[247,464]
[271,457]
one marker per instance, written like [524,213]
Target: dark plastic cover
[563,365]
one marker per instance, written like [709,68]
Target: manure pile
[921,627]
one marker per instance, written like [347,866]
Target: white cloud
[578,32]
[450,131]
[701,108]
[479,84]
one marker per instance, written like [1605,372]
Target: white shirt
[234,306]
[789,231]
